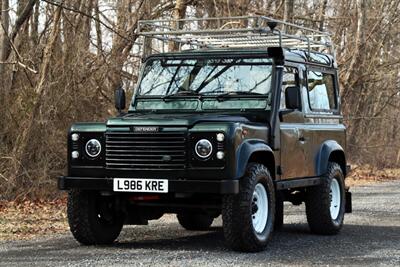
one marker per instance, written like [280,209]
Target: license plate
[140,185]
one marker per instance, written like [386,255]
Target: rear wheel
[92,218]
[195,221]
[325,203]
[248,217]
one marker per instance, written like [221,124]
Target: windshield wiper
[182,93]
[222,97]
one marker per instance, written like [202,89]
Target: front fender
[327,149]
[89,127]
[244,152]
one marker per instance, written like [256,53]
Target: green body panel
[211,127]
[88,127]
[291,142]
[149,121]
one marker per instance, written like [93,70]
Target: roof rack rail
[233,32]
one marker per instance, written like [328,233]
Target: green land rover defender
[234,122]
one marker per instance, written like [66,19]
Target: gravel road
[370,237]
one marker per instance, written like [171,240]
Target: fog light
[220,137]
[75,137]
[220,155]
[75,154]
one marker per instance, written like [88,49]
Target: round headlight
[203,148]
[75,137]
[93,148]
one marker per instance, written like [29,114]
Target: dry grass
[28,219]
[361,175]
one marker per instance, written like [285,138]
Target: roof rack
[231,32]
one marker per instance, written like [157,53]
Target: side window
[290,78]
[321,91]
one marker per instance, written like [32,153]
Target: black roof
[293,55]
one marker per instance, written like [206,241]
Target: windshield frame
[202,97]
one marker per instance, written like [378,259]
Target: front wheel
[248,217]
[92,218]
[325,203]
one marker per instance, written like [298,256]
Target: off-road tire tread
[78,211]
[238,233]
[318,203]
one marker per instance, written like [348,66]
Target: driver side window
[290,78]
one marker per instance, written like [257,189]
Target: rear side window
[321,91]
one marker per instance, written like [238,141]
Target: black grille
[145,151]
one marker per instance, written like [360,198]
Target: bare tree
[61,61]
[4,29]
[23,15]
[177,14]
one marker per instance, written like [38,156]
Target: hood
[184,120]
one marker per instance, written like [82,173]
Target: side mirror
[292,97]
[119,99]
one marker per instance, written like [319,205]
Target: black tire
[92,218]
[278,210]
[318,203]
[195,221]
[237,211]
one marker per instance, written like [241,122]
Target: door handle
[302,139]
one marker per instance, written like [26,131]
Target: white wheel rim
[335,199]
[259,208]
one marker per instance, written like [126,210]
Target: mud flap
[349,205]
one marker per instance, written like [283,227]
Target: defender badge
[145,129]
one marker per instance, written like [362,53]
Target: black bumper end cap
[349,204]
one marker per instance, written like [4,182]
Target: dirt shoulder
[21,220]
[363,175]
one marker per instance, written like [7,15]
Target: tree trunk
[357,97]
[4,29]
[177,14]
[24,14]
[289,8]
[35,26]
[322,15]
[98,29]
[288,13]
[21,148]
[121,46]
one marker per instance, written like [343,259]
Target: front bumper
[174,186]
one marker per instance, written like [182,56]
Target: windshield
[209,78]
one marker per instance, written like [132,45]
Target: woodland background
[60,62]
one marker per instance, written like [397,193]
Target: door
[322,113]
[295,137]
